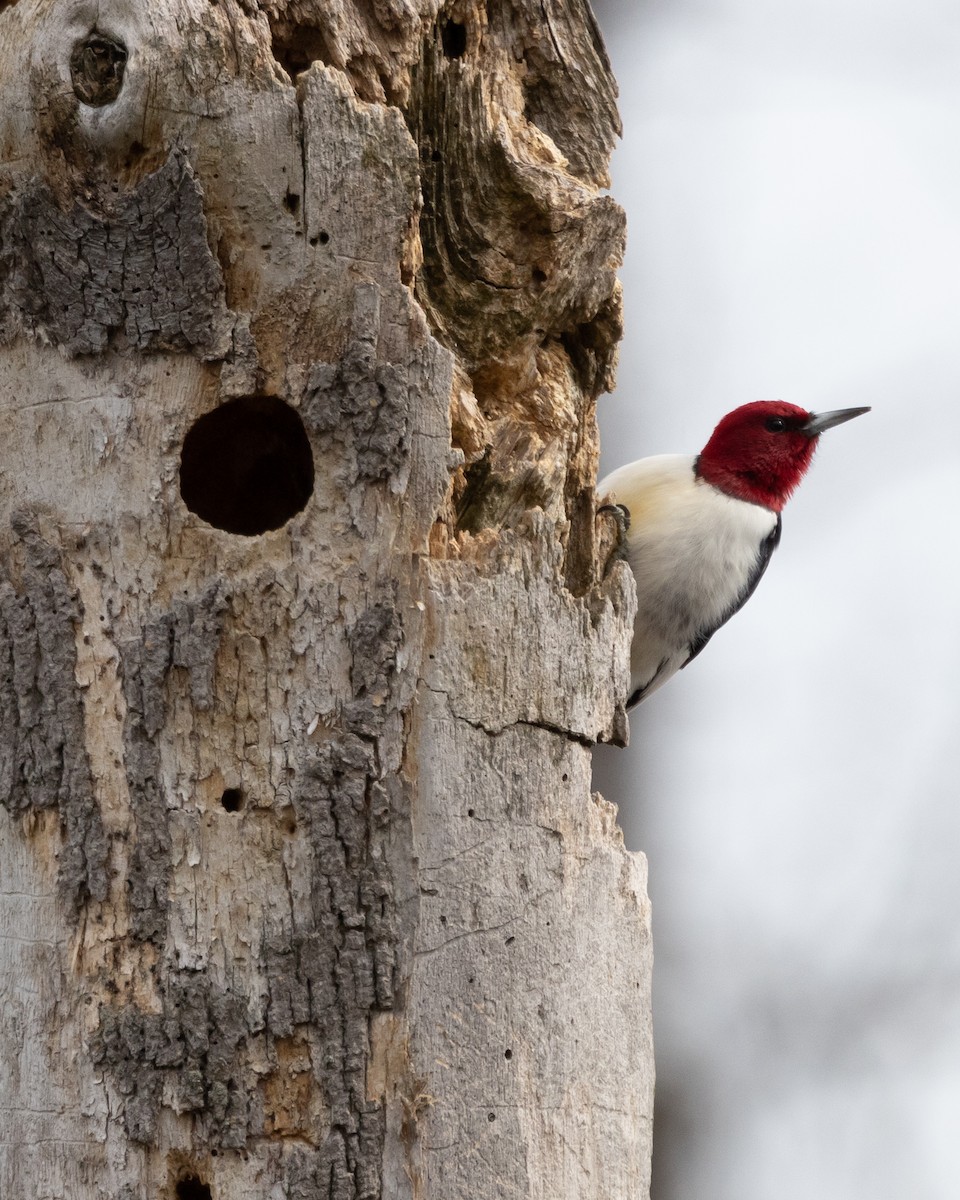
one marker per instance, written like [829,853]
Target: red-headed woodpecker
[702,528]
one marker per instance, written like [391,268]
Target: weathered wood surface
[303,892]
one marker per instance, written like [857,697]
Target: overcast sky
[791,177]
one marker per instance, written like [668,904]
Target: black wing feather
[767,547]
[640,693]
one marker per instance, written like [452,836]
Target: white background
[791,175]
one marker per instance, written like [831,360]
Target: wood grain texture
[303,892]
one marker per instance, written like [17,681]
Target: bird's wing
[767,547]
[668,667]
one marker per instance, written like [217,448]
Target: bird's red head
[760,452]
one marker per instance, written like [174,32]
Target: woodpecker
[700,529]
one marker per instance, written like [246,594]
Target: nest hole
[232,800]
[192,1187]
[453,38]
[295,47]
[247,467]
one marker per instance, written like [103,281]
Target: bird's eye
[775,424]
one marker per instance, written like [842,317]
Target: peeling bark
[303,891]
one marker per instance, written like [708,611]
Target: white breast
[693,551]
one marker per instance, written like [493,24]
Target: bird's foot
[615,521]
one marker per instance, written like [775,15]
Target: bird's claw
[621,515]
[621,521]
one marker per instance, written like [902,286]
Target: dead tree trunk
[304,630]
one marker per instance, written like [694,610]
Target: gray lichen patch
[340,969]
[134,268]
[361,400]
[374,640]
[44,760]
[190,1056]
[186,638]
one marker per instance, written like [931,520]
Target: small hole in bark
[453,38]
[491,1116]
[291,202]
[470,812]
[96,70]
[324,237]
[509,941]
[539,277]
[232,799]
[564,778]
[192,1187]
[295,47]
[508,1054]
[247,467]
[443,919]
[435,156]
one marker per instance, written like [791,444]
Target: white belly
[693,551]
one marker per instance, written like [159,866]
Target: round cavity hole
[247,466]
[232,799]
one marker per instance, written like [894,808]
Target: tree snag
[306,629]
